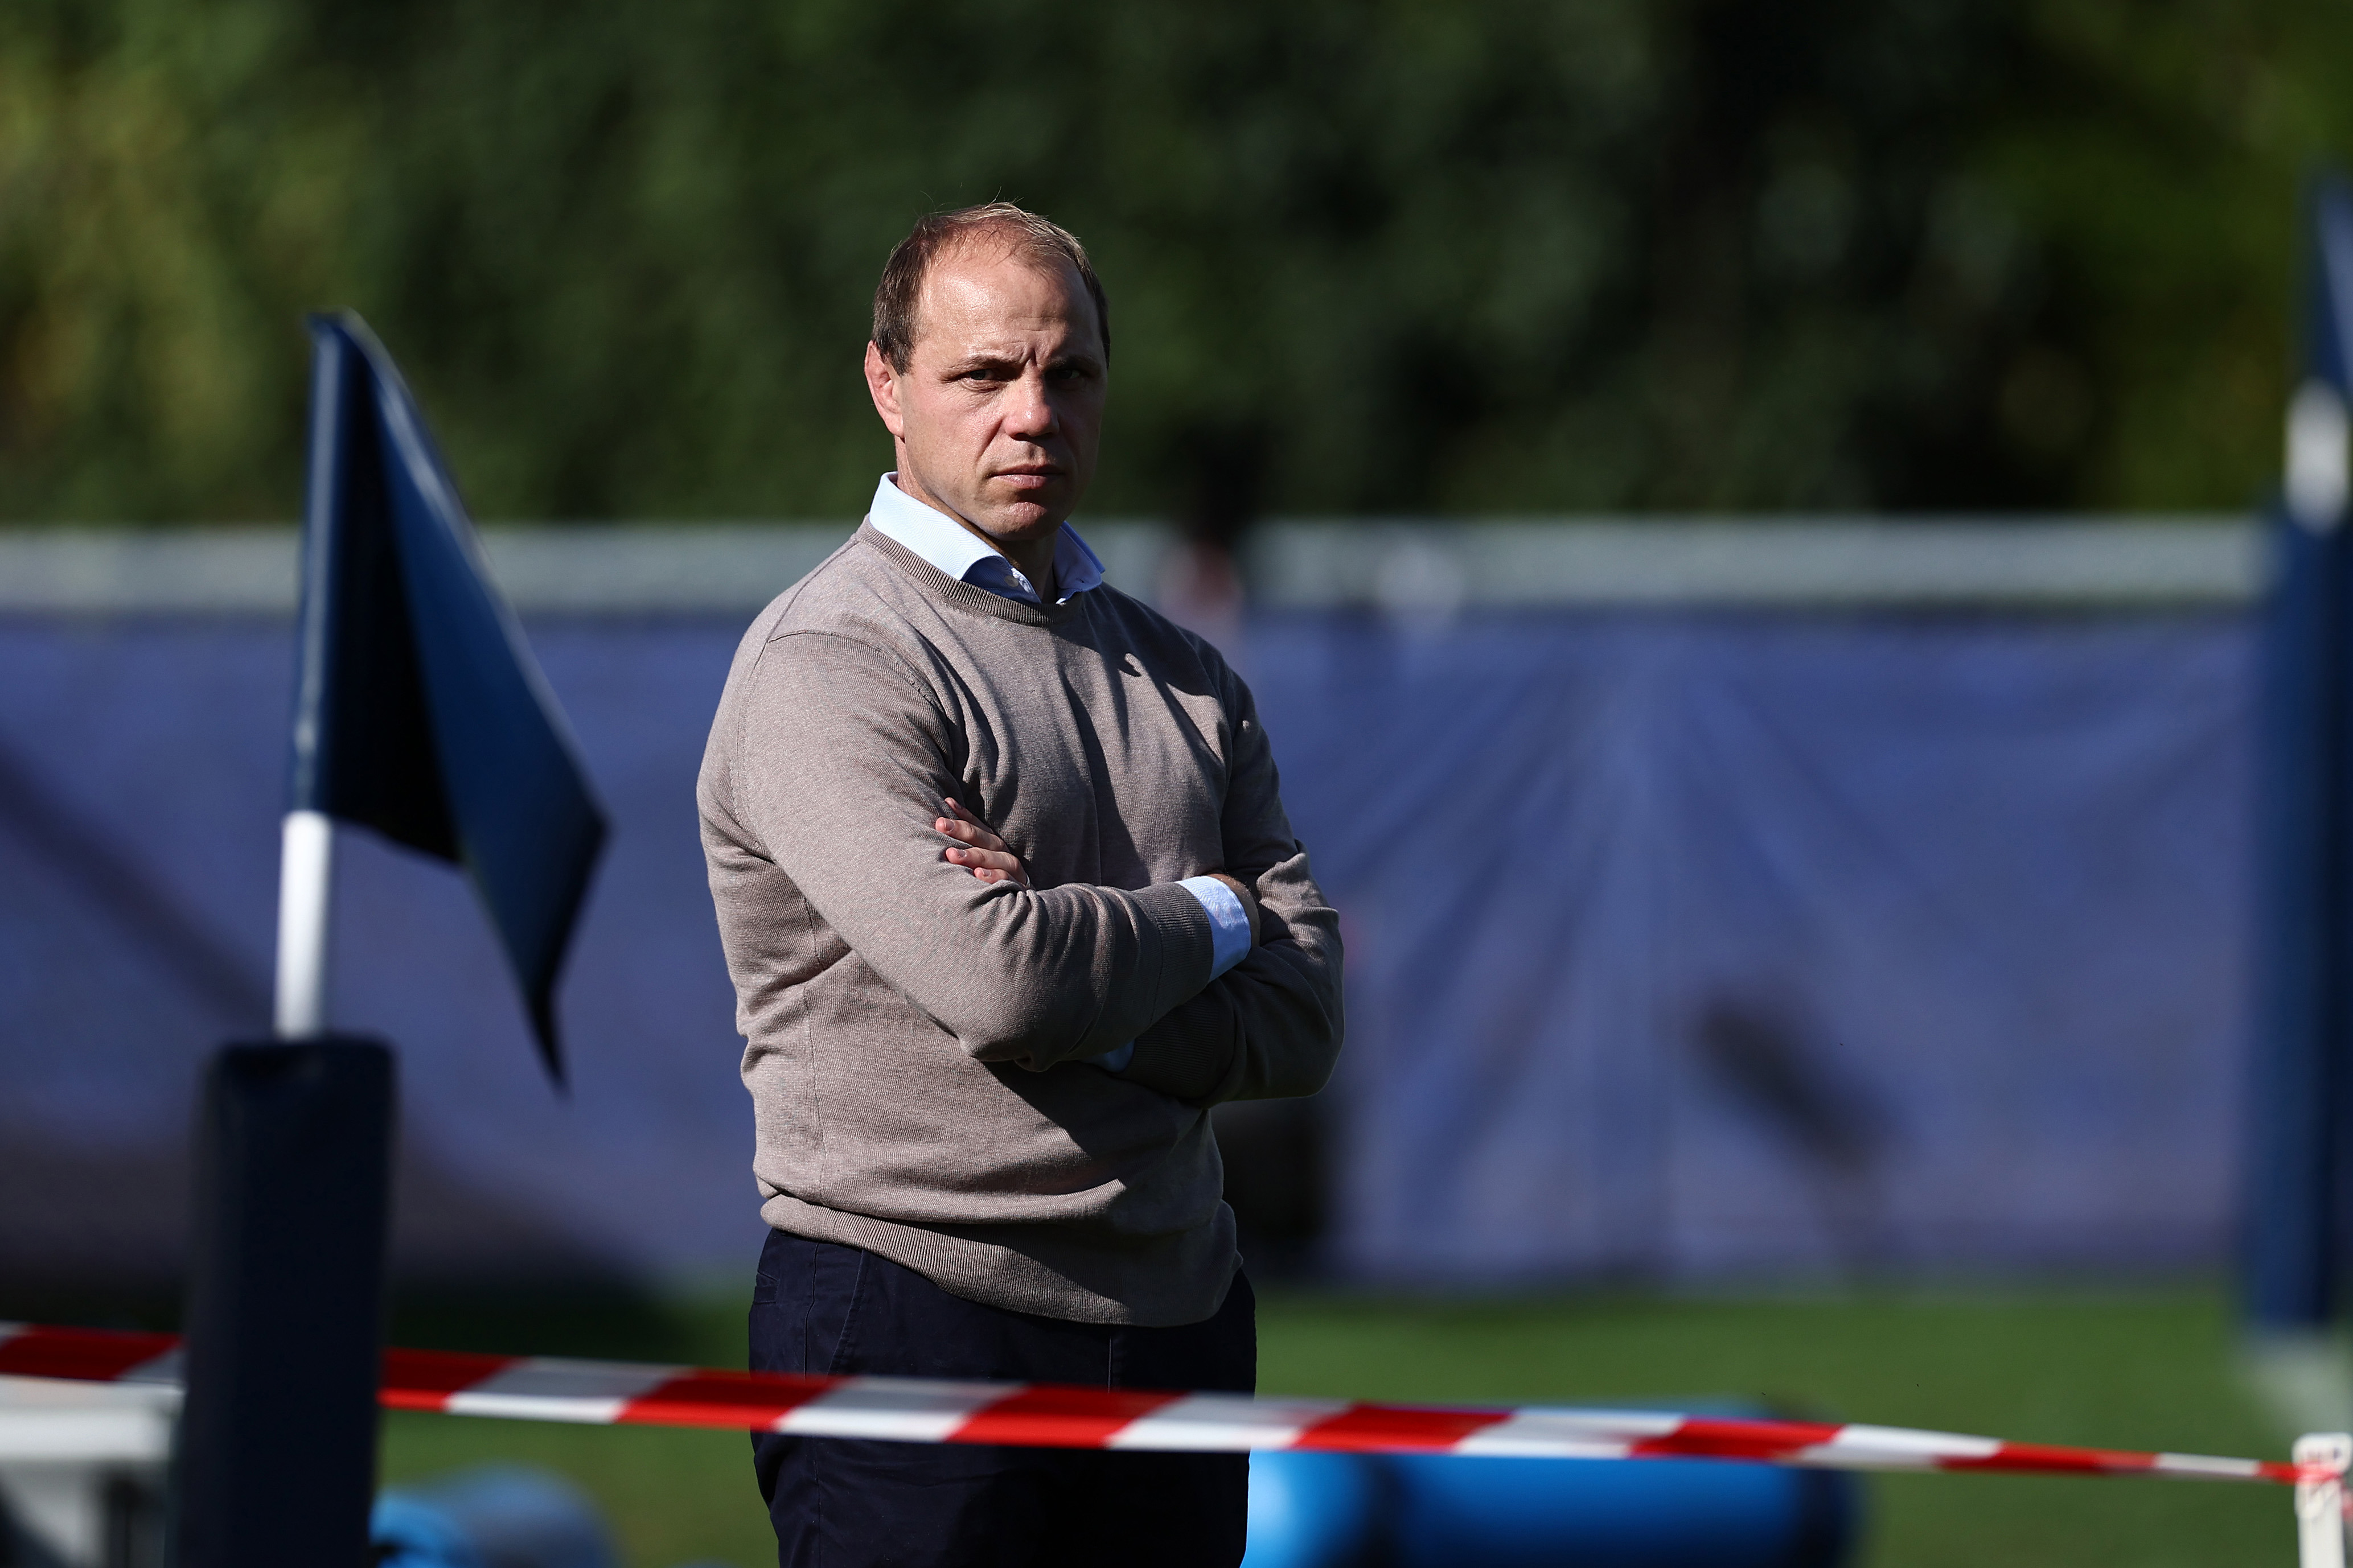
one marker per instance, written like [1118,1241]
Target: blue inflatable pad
[1312,1511]
[494,1516]
[1616,1513]
[408,1533]
[1350,1510]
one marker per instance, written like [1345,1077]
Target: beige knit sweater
[919,1043]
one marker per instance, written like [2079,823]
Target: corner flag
[419,710]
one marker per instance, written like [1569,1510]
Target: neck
[1034,556]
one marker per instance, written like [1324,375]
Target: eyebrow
[971,363]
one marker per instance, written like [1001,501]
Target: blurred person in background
[1010,900]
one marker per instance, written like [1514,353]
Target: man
[1009,900]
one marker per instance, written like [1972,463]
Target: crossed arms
[855,757]
[984,854]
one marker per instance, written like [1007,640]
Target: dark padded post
[286,1306]
[2294,1149]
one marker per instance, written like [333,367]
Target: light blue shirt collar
[958,552]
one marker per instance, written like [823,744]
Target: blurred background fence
[1781,898]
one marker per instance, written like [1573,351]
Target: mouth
[1030,477]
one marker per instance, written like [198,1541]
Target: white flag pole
[306,880]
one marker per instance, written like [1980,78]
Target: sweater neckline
[961,594]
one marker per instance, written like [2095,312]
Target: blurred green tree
[1395,257]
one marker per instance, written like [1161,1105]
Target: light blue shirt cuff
[1116,1062]
[1230,937]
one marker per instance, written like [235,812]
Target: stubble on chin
[1021,521]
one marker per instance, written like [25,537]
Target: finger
[995,859]
[969,828]
[957,810]
[988,865]
[964,833]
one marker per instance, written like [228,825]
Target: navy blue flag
[419,710]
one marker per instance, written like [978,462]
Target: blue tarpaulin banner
[1697,945]
[1681,945]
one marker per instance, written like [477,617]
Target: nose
[1032,415]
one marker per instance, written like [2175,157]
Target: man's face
[998,415]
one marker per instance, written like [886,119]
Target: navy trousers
[839,1502]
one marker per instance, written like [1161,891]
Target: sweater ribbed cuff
[1176,925]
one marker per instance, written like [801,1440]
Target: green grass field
[2144,1368]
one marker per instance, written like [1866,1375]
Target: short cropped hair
[1031,238]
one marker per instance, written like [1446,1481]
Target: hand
[1250,900]
[978,850]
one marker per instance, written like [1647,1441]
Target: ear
[882,385]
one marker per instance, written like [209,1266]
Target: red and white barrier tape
[918,1410]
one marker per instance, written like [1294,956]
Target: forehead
[984,291]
